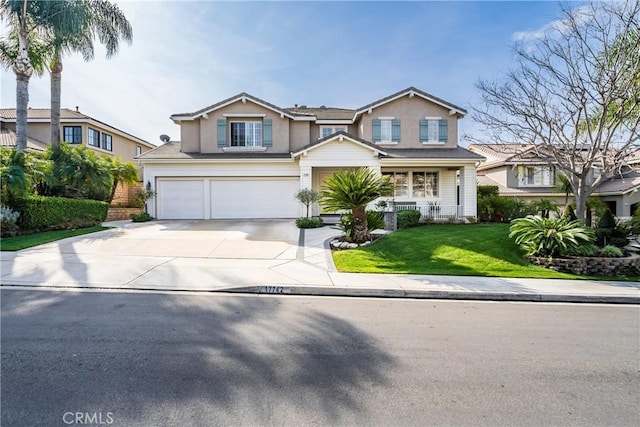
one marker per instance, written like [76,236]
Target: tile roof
[42,113]
[433,153]
[325,113]
[332,136]
[8,139]
[171,151]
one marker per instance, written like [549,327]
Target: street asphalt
[258,256]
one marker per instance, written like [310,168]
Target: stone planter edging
[592,266]
[118,214]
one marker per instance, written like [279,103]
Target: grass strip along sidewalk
[29,240]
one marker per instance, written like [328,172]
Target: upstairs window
[246,134]
[328,130]
[138,150]
[107,142]
[434,130]
[72,134]
[93,138]
[386,130]
[536,176]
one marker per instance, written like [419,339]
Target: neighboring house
[75,128]
[518,171]
[246,158]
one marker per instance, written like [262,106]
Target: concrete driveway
[188,255]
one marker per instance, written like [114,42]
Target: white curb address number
[275,290]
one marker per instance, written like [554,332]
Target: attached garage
[227,198]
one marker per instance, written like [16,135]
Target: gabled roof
[457,153]
[412,91]
[243,97]
[43,115]
[8,140]
[507,154]
[338,136]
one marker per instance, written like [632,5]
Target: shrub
[408,218]
[141,217]
[549,237]
[587,249]
[306,222]
[58,213]
[307,197]
[8,221]
[611,251]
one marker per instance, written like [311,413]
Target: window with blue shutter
[222,132]
[267,133]
[424,130]
[443,130]
[376,130]
[395,130]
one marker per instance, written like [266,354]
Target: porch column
[469,191]
[305,182]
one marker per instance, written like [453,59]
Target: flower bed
[592,266]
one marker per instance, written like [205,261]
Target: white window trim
[437,141]
[387,141]
[240,115]
[410,172]
[245,146]
[523,179]
[333,129]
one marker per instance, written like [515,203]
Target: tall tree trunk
[23,70]
[113,190]
[360,226]
[56,83]
[581,195]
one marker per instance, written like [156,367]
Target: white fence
[432,211]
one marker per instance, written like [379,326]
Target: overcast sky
[188,55]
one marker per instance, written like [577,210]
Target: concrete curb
[416,294]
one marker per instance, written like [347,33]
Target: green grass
[29,240]
[458,250]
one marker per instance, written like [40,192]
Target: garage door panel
[181,199]
[254,198]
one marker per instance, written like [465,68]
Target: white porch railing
[432,211]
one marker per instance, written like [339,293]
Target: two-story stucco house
[518,171]
[244,157]
[75,128]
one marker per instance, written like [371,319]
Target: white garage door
[181,199]
[254,198]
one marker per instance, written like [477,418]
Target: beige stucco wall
[280,126]
[499,175]
[190,136]
[410,111]
[299,135]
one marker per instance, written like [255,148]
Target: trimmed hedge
[408,218]
[39,213]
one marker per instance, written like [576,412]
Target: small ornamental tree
[307,197]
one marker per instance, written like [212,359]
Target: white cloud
[583,14]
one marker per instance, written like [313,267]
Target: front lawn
[459,250]
[28,240]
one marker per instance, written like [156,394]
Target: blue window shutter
[267,133]
[376,130]
[424,130]
[222,132]
[443,130]
[395,130]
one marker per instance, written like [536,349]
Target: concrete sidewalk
[99,261]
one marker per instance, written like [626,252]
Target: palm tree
[121,172]
[563,185]
[354,190]
[29,19]
[83,22]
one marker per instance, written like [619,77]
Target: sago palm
[546,237]
[353,190]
